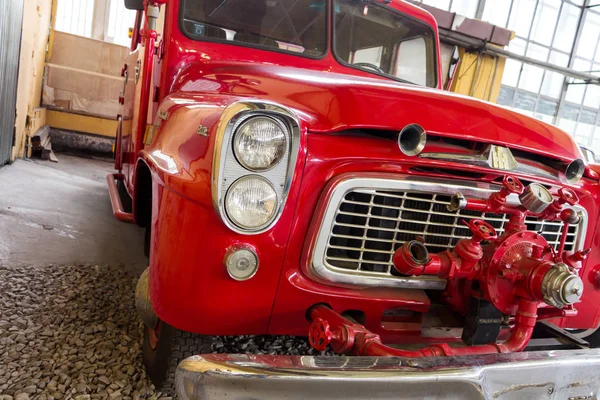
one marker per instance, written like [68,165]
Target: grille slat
[370,225]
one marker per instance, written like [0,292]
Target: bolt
[412,363]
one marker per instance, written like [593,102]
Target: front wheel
[164,348]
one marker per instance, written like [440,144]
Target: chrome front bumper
[572,374]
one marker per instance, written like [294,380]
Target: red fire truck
[300,171]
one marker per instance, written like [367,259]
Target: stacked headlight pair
[260,143]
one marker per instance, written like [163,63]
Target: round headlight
[251,202]
[260,143]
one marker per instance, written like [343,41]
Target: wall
[479,75]
[84,76]
[36,25]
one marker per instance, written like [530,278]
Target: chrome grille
[369,224]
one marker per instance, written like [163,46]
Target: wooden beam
[81,123]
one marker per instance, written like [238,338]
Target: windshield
[296,26]
[377,39]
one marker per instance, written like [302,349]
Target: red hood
[328,102]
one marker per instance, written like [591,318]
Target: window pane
[511,72]
[537,52]
[589,36]
[588,117]
[552,85]
[412,63]
[496,12]
[517,45]
[443,4]
[595,145]
[398,46]
[560,59]
[576,91]
[583,134]
[75,17]
[525,101]
[468,8]
[119,22]
[531,78]
[547,107]
[545,20]
[592,96]
[566,27]
[570,112]
[285,25]
[505,97]
[521,16]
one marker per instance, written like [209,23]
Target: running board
[115,200]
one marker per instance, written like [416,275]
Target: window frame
[384,75]
[256,46]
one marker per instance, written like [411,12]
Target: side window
[370,55]
[411,64]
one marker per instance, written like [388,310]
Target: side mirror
[134,5]
[454,63]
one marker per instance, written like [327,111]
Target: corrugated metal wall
[11,18]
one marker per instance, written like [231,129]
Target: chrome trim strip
[234,115]
[563,374]
[320,270]
[495,157]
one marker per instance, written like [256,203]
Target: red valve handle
[319,334]
[481,230]
[512,184]
[568,196]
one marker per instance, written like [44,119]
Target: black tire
[172,347]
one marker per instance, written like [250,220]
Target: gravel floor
[70,332]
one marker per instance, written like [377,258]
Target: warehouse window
[75,16]
[106,20]
[546,30]
[120,20]
[468,8]
[538,92]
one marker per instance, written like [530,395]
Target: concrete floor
[60,213]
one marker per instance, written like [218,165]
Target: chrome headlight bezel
[227,169]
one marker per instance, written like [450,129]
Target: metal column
[11,19]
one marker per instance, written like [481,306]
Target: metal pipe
[355,338]
[496,62]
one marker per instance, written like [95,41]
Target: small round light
[260,143]
[241,263]
[251,202]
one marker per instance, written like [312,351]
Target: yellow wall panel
[479,75]
[81,123]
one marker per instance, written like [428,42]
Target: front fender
[190,288]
